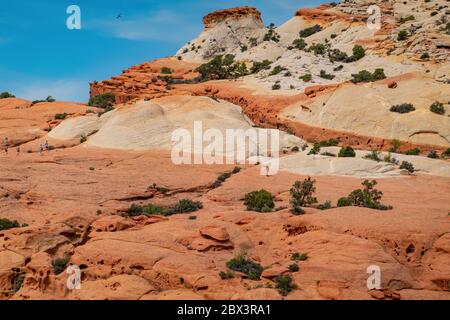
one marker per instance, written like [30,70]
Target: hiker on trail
[46,145]
[5,144]
[18,150]
[41,149]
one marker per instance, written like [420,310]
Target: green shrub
[325,206]
[221,67]
[259,201]
[271,34]
[297,256]
[293,267]
[344,202]
[241,264]
[447,28]
[103,101]
[310,31]
[166,70]
[284,284]
[407,166]
[276,70]
[329,143]
[302,195]
[395,145]
[183,206]
[317,49]
[366,76]
[17,281]
[437,107]
[446,153]
[306,77]
[337,55]
[369,197]
[433,154]
[323,74]
[83,138]
[374,155]
[258,66]
[403,108]
[186,205]
[59,265]
[299,44]
[402,35]
[347,152]
[61,116]
[224,176]
[6,224]
[5,95]
[276,86]
[413,152]
[358,53]
[315,149]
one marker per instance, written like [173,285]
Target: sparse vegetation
[6,224]
[302,195]
[259,201]
[59,265]
[446,153]
[437,107]
[276,70]
[284,284]
[103,101]
[271,34]
[299,44]
[405,165]
[5,95]
[61,116]
[83,138]
[433,154]
[402,35]
[293,267]
[358,53]
[310,31]
[222,67]
[241,264]
[315,149]
[258,66]
[369,197]
[329,143]
[374,155]
[347,152]
[395,145]
[224,275]
[183,206]
[297,256]
[406,19]
[324,206]
[276,86]
[317,48]
[166,70]
[17,281]
[323,74]
[366,76]
[306,77]
[403,108]
[413,152]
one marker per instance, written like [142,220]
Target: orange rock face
[215,17]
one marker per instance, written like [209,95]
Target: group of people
[42,147]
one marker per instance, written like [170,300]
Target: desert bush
[358,53]
[184,206]
[433,154]
[166,70]
[437,107]
[413,152]
[328,154]
[297,256]
[59,265]
[337,55]
[347,152]
[317,48]
[406,19]
[61,116]
[368,197]
[284,284]
[299,44]
[395,145]
[276,86]
[306,77]
[302,195]
[221,67]
[323,74]
[103,101]
[271,34]
[276,70]
[293,267]
[366,76]
[17,281]
[329,143]
[403,108]
[241,264]
[310,31]
[6,224]
[315,149]
[258,66]
[5,95]
[325,206]
[259,201]
[388,158]
[407,166]
[402,35]
[374,155]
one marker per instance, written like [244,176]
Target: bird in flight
[119,16]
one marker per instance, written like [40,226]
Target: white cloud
[162,25]
[62,90]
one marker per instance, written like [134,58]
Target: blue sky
[39,56]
